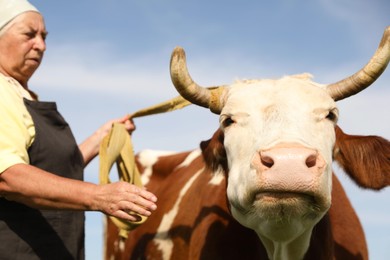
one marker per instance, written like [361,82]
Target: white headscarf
[9,9]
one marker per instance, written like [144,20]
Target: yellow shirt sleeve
[17,129]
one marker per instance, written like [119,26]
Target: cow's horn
[367,75]
[181,79]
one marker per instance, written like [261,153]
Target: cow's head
[279,138]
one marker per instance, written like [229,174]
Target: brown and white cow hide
[193,219]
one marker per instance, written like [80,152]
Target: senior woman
[42,193]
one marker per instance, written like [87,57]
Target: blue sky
[109,58]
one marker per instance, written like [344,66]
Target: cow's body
[193,220]
[263,186]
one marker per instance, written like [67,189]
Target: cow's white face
[279,138]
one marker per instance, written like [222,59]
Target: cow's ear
[366,159]
[214,153]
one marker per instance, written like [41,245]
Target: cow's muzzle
[290,168]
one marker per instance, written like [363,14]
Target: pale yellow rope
[117,148]
[167,106]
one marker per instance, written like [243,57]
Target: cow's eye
[227,121]
[332,115]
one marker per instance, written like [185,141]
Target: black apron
[27,233]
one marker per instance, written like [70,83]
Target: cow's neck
[282,250]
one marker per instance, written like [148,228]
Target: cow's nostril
[311,161]
[267,161]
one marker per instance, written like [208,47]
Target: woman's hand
[105,129]
[121,199]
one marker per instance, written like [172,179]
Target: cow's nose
[290,157]
[289,167]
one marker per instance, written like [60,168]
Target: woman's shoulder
[5,86]
[11,88]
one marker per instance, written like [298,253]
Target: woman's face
[22,44]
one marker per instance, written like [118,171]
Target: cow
[263,186]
